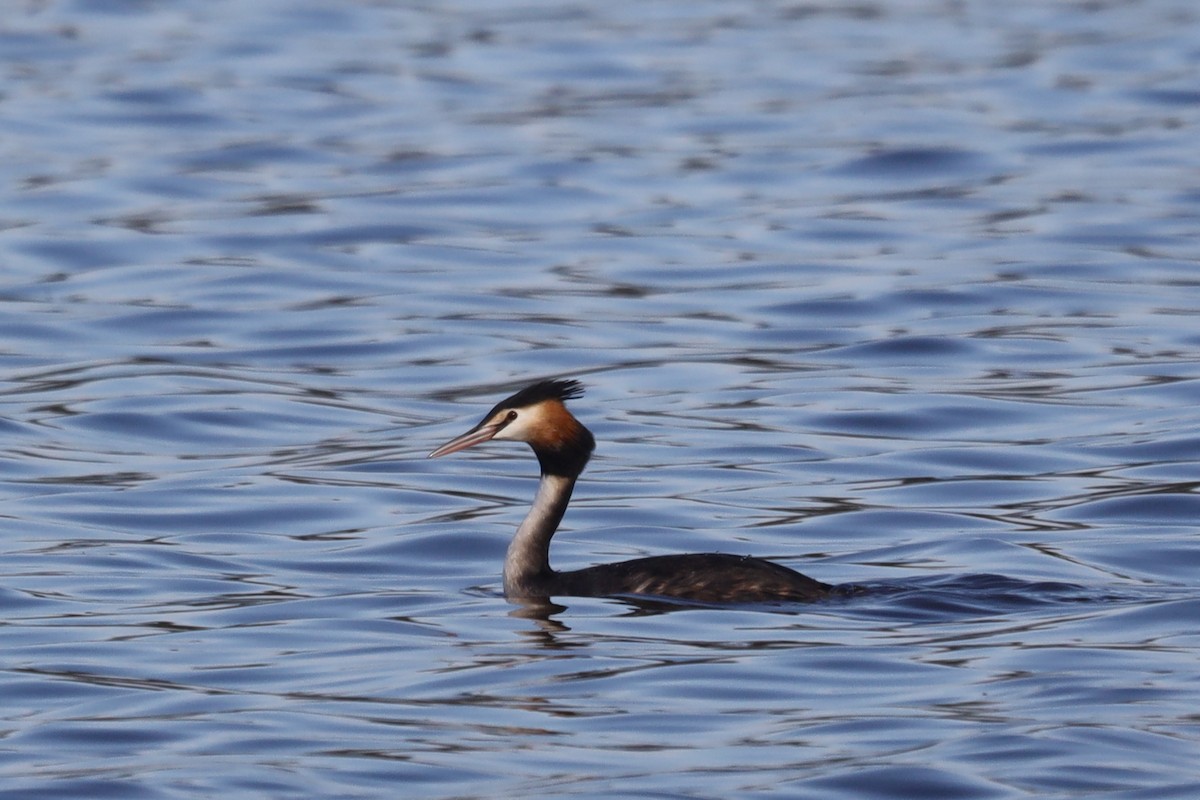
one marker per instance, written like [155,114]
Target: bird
[538,416]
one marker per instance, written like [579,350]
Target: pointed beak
[480,433]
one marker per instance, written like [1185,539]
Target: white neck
[528,561]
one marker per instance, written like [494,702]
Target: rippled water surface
[904,295]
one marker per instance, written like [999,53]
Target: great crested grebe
[537,416]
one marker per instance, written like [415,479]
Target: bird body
[538,416]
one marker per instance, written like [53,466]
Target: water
[904,295]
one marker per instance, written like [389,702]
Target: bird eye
[511,416]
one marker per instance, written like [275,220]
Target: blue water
[904,295]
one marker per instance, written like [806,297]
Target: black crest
[542,390]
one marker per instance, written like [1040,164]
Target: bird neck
[527,565]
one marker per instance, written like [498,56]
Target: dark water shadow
[942,598]
[952,598]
